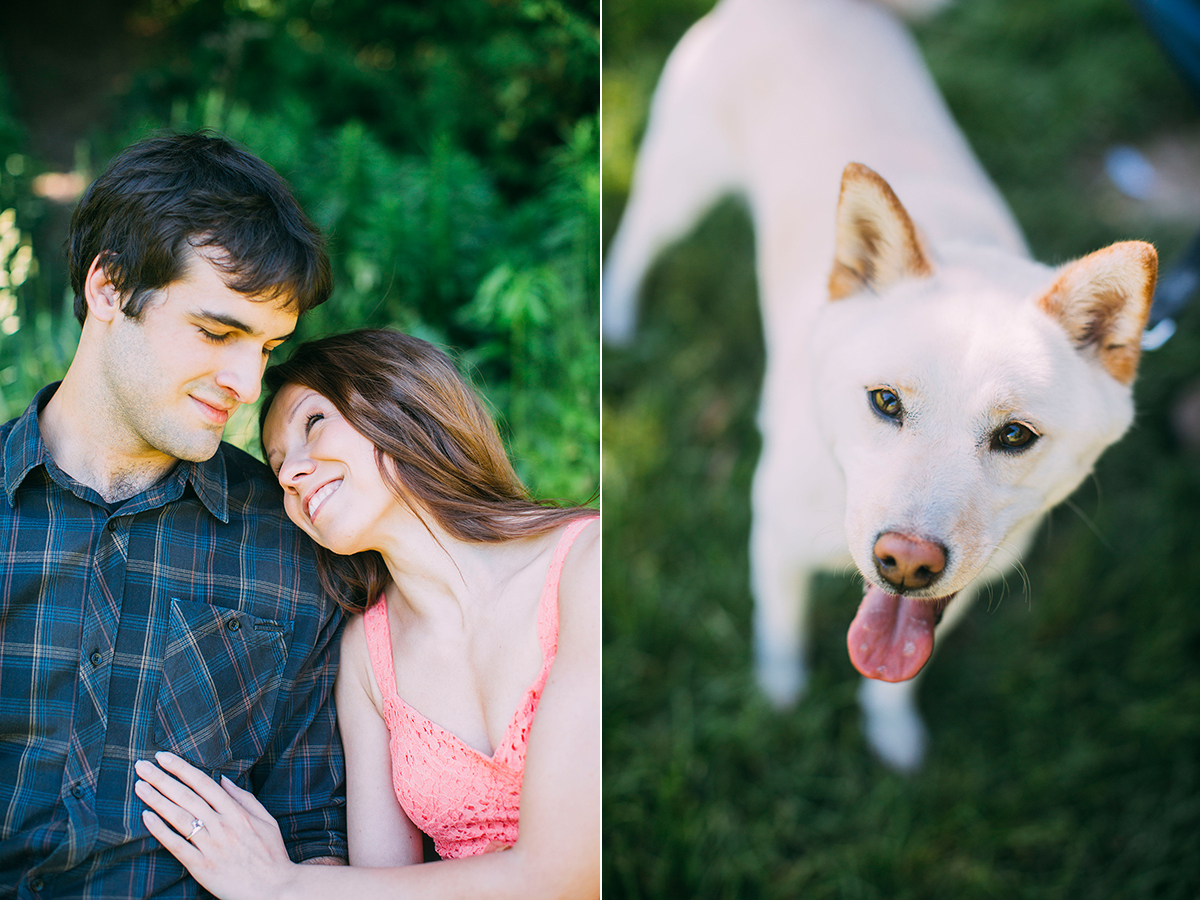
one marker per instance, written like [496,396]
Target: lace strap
[548,604]
[379,645]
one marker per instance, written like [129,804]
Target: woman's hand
[221,833]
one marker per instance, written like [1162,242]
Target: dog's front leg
[782,588]
[786,549]
[796,531]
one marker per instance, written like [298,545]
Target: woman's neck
[443,580]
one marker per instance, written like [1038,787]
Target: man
[153,595]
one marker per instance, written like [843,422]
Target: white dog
[930,391]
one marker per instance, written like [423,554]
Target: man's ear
[104,301]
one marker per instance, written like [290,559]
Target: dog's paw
[892,725]
[783,681]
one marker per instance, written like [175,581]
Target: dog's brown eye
[1014,436]
[886,403]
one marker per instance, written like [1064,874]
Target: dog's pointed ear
[1103,300]
[877,243]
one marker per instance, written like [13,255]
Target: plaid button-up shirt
[186,618]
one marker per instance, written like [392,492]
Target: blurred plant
[507,81]
[35,345]
[16,261]
[35,354]
[538,323]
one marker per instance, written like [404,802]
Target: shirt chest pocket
[222,671]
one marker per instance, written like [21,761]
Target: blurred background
[450,152]
[1064,713]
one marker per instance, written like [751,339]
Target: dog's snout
[908,563]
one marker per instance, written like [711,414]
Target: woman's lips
[319,496]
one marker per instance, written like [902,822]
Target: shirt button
[112,524]
[76,792]
[37,884]
[96,658]
[233,624]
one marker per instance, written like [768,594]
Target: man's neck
[74,430]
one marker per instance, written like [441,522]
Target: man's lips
[313,501]
[217,413]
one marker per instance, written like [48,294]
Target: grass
[1065,720]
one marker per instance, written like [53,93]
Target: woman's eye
[1014,436]
[887,403]
[313,419]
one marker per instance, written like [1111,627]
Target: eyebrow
[291,417]
[236,324]
[292,413]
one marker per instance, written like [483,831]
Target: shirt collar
[209,481]
[25,450]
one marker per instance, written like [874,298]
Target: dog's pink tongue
[891,637]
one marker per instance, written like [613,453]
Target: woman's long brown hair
[434,443]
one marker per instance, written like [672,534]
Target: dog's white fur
[934,298]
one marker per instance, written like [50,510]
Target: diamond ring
[196,826]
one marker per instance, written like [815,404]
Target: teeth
[319,497]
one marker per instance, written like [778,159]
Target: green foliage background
[1064,713]
[449,150]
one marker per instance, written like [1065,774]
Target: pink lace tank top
[460,797]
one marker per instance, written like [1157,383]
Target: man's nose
[241,373]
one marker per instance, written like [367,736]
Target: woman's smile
[316,499]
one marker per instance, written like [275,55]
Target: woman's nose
[293,469]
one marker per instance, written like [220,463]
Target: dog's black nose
[908,563]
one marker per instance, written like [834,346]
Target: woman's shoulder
[354,635]
[579,583]
[354,666]
[584,552]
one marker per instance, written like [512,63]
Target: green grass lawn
[1064,719]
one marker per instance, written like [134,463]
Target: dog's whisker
[1019,568]
[1091,526]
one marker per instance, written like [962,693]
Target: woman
[389,462]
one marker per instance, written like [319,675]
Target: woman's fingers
[237,836]
[203,786]
[179,817]
[182,803]
[171,788]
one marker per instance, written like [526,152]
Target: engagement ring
[196,826]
